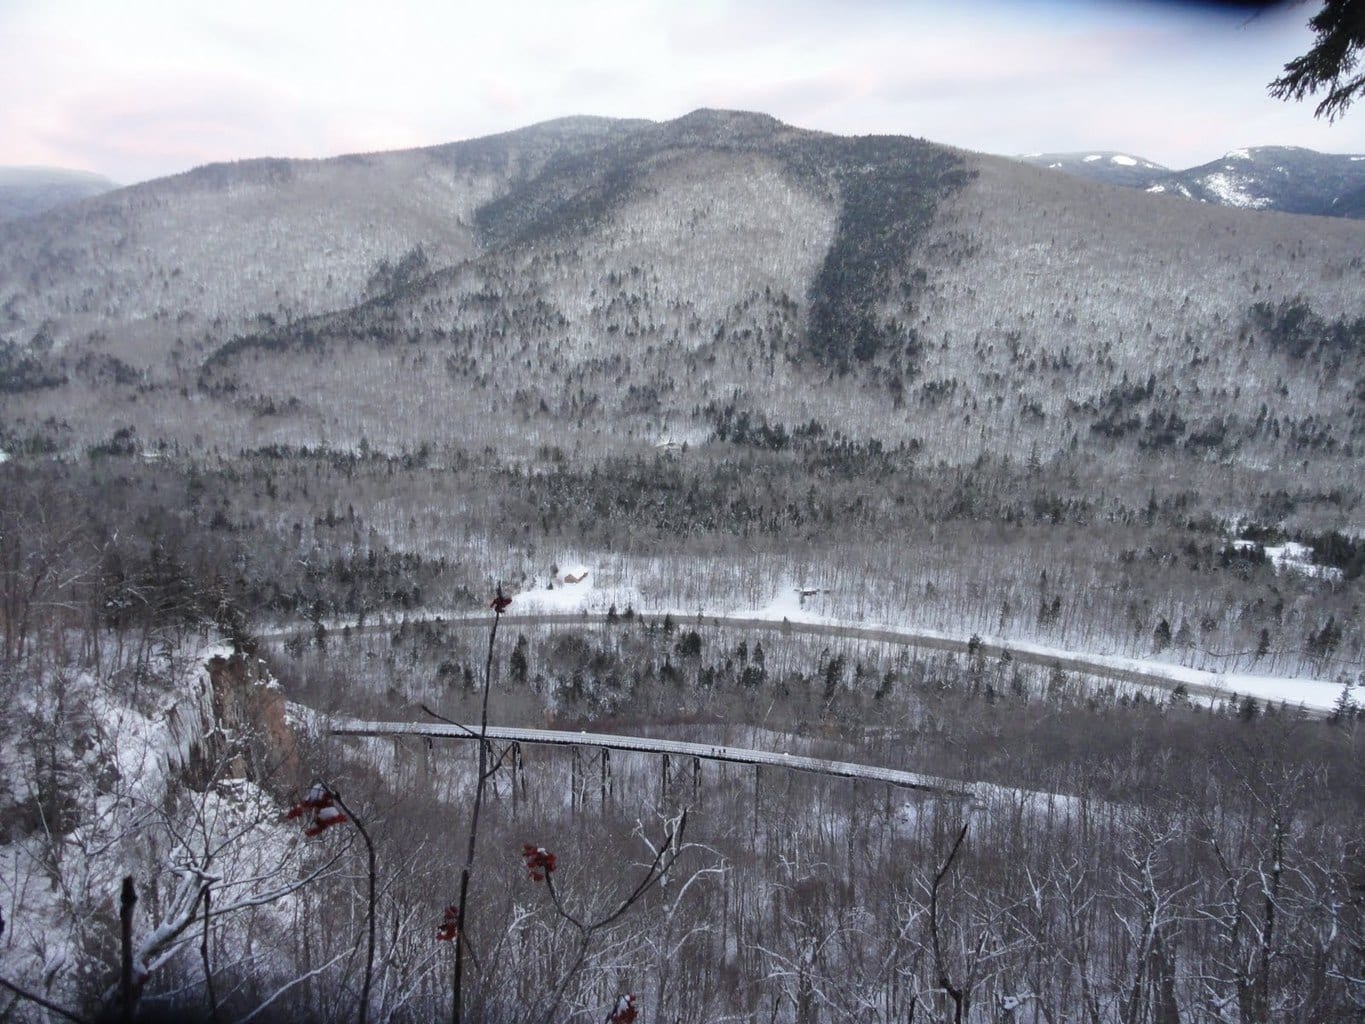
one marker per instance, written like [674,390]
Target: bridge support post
[851,842]
[491,755]
[573,779]
[606,783]
[696,777]
[758,799]
[664,769]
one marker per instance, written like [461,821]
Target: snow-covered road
[1316,697]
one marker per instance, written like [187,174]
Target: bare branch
[46,1004]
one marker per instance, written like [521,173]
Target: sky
[136,89]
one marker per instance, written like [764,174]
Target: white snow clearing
[1292,557]
[557,594]
[1123,161]
[1231,189]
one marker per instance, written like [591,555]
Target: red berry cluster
[319,807]
[450,924]
[624,1012]
[540,862]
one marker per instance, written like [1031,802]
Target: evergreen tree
[1345,708]
[1340,35]
[1161,636]
[518,662]
[834,675]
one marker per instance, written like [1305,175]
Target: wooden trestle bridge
[669,749]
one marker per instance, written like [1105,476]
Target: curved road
[909,638]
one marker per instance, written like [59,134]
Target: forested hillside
[628,279]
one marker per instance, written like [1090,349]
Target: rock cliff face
[246,735]
[167,766]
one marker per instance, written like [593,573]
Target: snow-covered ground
[1292,557]
[548,596]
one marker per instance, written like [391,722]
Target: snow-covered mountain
[1284,178]
[617,281]
[25,191]
[1289,179]
[1104,166]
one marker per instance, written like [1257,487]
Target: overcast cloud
[142,88]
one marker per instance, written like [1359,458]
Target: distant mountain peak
[707,125]
[25,191]
[1090,156]
[32,174]
[720,117]
[1110,167]
[1289,179]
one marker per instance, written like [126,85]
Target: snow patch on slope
[1231,189]
[1295,558]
